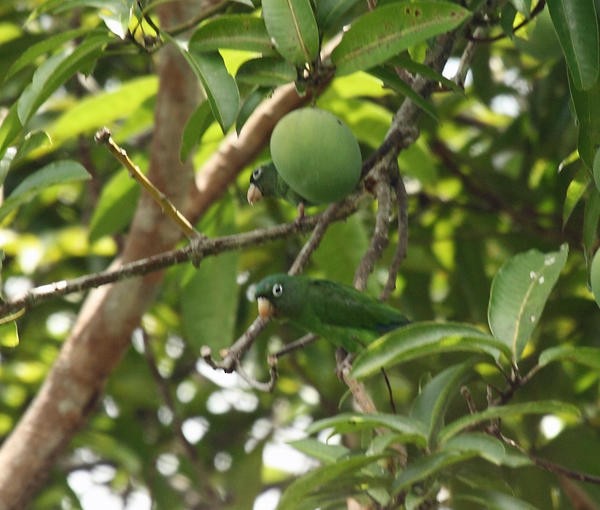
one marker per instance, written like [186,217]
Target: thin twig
[300,343]
[380,237]
[199,248]
[552,467]
[402,245]
[103,136]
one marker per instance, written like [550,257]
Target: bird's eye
[257,173]
[277,289]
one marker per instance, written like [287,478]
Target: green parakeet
[316,160]
[265,181]
[346,317]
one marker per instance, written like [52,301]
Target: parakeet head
[278,294]
[263,183]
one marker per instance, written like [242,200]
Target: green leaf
[101,109]
[352,422]
[9,129]
[587,109]
[394,82]
[323,452]
[195,128]
[48,45]
[576,24]
[586,356]
[425,339]
[9,334]
[58,172]
[519,293]
[52,73]
[220,87]
[575,192]
[430,406]
[596,169]
[312,481]
[234,31]
[248,106]
[266,72]
[493,500]
[292,26]
[388,30]
[427,466]
[523,6]
[116,15]
[330,11]
[483,445]
[115,207]
[591,218]
[507,411]
[595,276]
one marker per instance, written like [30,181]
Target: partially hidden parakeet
[265,181]
[343,315]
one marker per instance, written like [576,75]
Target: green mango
[317,155]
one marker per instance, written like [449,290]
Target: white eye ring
[257,173]
[277,289]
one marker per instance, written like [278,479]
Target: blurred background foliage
[494,175]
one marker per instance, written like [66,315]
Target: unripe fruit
[595,276]
[316,154]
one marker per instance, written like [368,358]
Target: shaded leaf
[587,109]
[519,293]
[351,422]
[483,445]
[427,466]
[586,356]
[312,481]
[576,24]
[220,87]
[233,31]
[248,106]
[328,12]
[58,172]
[493,500]
[506,411]
[292,26]
[424,339]
[591,219]
[266,72]
[430,406]
[390,29]
[195,128]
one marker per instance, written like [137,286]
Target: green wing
[341,306]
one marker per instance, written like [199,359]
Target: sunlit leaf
[9,334]
[56,70]
[519,293]
[115,207]
[319,450]
[430,405]
[392,28]
[494,500]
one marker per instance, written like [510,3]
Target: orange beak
[254,194]
[265,308]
